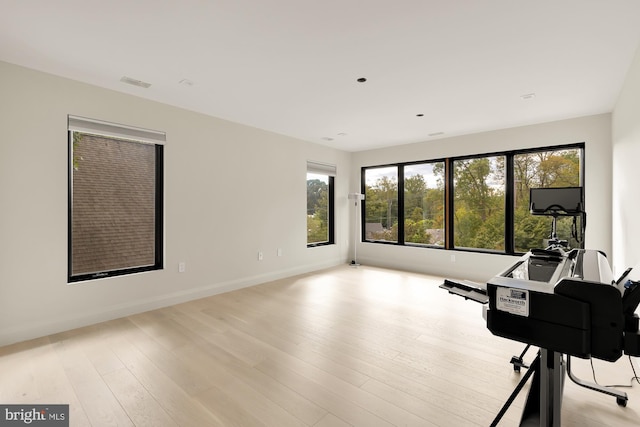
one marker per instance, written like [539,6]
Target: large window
[320,204]
[115,199]
[405,204]
[543,169]
[424,204]
[479,203]
[476,203]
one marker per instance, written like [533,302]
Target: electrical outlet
[453,258]
[279,251]
[260,256]
[182,267]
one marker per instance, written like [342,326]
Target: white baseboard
[77,320]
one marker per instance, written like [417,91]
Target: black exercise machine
[566,303]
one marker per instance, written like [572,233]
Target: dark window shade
[115,201]
[113,205]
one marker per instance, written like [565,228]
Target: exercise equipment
[566,303]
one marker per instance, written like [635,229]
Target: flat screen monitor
[564,201]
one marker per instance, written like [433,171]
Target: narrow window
[320,204]
[115,199]
[479,203]
[424,204]
[381,204]
[544,169]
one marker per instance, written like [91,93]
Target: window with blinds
[115,199]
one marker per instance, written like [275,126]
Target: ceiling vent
[135,82]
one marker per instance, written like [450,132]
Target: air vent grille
[135,82]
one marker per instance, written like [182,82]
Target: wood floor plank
[95,397]
[331,420]
[435,415]
[16,371]
[140,406]
[229,412]
[176,402]
[431,390]
[181,372]
[31,373]
[219,367]
[272,336]
[53,384]
[332,402]
[259,405]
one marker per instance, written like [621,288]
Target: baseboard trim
[40,329]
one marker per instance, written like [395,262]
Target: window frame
[451,176]
[400,203]
[134,135]
[413,244]
[449,196]
[317,168]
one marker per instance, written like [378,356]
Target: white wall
[594,131]
[626,166]
[230,191]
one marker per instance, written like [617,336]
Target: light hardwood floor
[345,346]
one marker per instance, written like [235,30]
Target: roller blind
[113,130]
[321,168]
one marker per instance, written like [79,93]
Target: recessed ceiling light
[361,80]
[186,82]
[135,82]
[436,134]
[528,96]
[342,134]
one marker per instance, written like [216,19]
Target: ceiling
[433,68]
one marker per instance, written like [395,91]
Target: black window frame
[400,178]
[450,174]
[158,263]
[449,196]
[330,215]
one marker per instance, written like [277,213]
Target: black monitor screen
[558,201]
